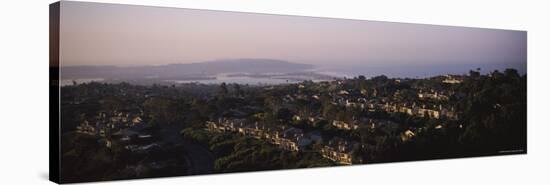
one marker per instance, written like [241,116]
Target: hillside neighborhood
[306,124]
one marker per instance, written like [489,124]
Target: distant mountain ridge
[177,71]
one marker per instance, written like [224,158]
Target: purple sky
[106,34]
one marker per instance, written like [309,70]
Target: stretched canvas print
[139,92]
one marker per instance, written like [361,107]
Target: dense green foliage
[236,153]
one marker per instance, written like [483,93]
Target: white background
[24,91]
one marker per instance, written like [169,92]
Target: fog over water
[96,34]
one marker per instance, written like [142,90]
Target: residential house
[345,125]
[453,79]
[338,150]
[86,128]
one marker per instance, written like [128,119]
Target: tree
[238,90]
[164,110]
[284,114]
[223,89]
[112,103]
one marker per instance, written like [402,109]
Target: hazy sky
[104,34]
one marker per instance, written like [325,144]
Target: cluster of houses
[366,123]
[433,111]
[354,124]
[104,123]
[453,79]
[288,138]
[370,101]
[122,125]
[339,150]
[432,94]
[424,110]
[423,102]
[345,125]
[285,137]
[411,109]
